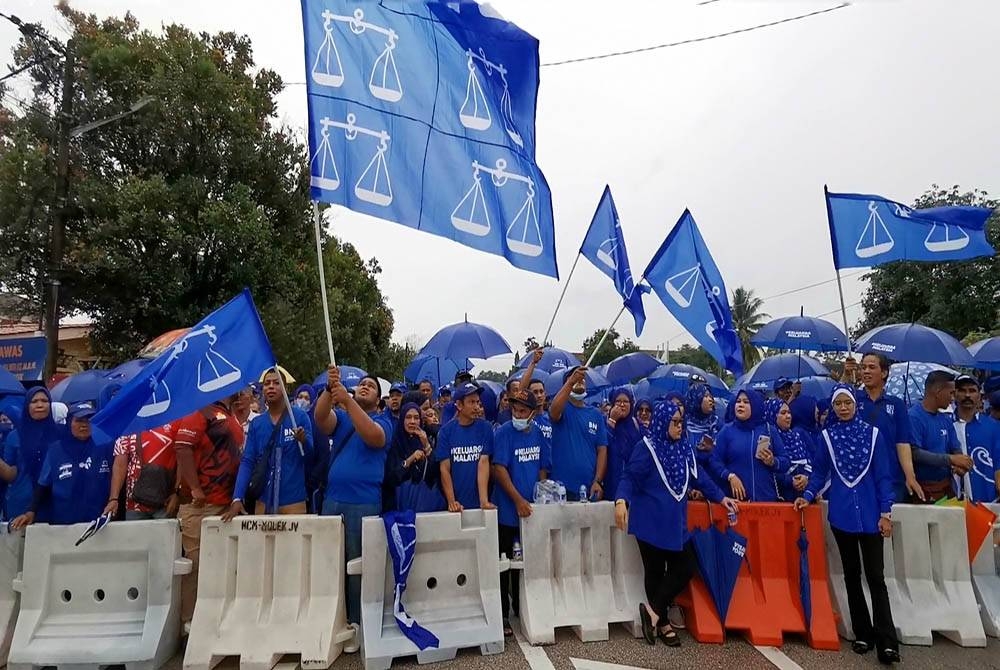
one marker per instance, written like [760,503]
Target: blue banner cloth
[423,113]
[686,279]
[869,230]
[604,246]
[401,540]
[222,354]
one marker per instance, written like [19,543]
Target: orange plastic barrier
[766,601]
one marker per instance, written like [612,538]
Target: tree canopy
[610,350]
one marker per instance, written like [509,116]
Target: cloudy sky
[883,96]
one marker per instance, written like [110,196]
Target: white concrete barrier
[453,589]
[270,586]
[986,579]
[112,600]
[575,575]
[11,555]
[926,574]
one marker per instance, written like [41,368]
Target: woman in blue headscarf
[798,447]
[748,453]
[24,452]
[702,422]
[411,475]
[624,431]
[652,505]
[644,413]
[822,412]
[860,506]
[805,416]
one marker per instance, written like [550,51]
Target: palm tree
[748,318]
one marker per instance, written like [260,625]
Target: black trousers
[857,549]
[510,581]
[665,574]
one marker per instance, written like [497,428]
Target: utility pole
[58,228]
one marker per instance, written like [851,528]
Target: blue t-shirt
[544,424]
[293,476]
[982,443]
[356,473]
[933,432]
[524,453]
[575,439]
[79,474]
[889,415]
[463,446]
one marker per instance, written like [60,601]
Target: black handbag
[258,478]
[154,484]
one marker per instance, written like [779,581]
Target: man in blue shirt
[888,414]
[979,437]
[936,450]
[449,410]
[521,456]
[464,447]
[579,438]
[394,402]
[357,463]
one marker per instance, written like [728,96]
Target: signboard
[24,357]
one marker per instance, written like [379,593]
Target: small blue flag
[869,230]
[423,113]
[222,354]
[604,246]
[686,279]
[401,539]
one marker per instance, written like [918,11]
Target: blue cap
[465,390]
[398,388]
[782,382]
[962,380]
[82,410]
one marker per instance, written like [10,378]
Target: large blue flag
[423,113]
[222,354]
[869,230]
[604,246]
[684,276]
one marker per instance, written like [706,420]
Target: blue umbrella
[594,379]
[804,333]
[126,371]
[349,376]
[915,342]
[720,555]
[439,371]
[817,387]
[540,375]
[906,380]
[792,366]
[986,354]
[490,397]
[553,360]
[627,367]
[805,588]
[86,385]
[466,340]
[677,377]
[9,385]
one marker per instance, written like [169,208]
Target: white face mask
[302,403]
[578,396]
[520,424]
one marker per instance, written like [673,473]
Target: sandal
[861,647]
[669,636]
[647,625]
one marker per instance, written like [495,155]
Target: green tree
[748,318]
[959,297]
[611,348]
[176,208]
[696,356]
[492,376]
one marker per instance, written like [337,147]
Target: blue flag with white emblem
[686,279]
[869,230]
[222,354]
[423,113]
[604,246]
[401,541]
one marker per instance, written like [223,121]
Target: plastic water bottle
[732,517]
[583,493]
[518,553]
[562,493]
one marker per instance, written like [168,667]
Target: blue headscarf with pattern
[698,422]
[795,446]
[673,455]
[851,442]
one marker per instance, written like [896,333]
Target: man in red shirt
[158,451]
[208,444]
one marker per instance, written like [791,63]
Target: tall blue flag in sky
[604,246]
[684,276]
[869,230]
[423,113]
[222,354]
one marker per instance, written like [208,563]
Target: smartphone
[763,442]
[706,444]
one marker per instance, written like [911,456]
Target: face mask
[302,403]
[578,396]
[520,424]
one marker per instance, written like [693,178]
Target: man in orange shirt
[208,445]
[158,452]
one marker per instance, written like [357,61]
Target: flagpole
[562,295]
[288,404]
[322,284]
[840,285]
[605,336]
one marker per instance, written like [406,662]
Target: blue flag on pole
[604,246]
[869,230]
[686,279]
[222,354]
[401,540]
[423,113]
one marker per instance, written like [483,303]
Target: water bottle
[732,517]
[562,493]
[518,553]
[583,493]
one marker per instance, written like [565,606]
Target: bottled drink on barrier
[583,493]
[562,493]
[518,552]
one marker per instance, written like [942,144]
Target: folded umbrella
[805,588]
[720,556]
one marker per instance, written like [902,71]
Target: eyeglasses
[645,410]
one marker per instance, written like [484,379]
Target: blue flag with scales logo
[604,246]
[869,230]
[423,113]
[685,278]
[222,354]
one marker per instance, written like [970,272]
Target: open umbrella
[553,360]
[9,385]
[803,333]
[126,371]
[466,340]
[817,387]
[720,555]
[595,382]
[162,343]
[792,366]
[86,385]
[906,380]
[438,371]
[627,367]
[915,342]
[676,377]
[349,376]
[805,588]
[986,354]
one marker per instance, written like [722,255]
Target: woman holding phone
[412,479]
[748,453]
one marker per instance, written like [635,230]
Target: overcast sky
[884,96]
